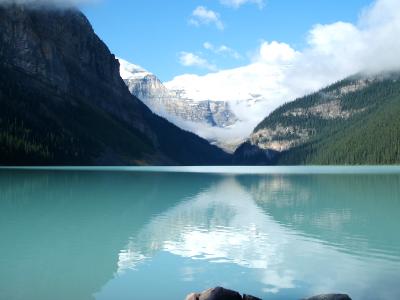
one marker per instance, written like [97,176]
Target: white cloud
[276,53]
[46,2]
[238,3]
[251,90]
[188,59]
[203,16]
[208,46]
[222,50]
[240,83]
[279,73]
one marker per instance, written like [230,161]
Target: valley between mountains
[67,100]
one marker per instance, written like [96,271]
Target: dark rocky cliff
[63,101]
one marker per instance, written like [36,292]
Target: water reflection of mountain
[70,235]
[61,232]
[291,229]
[334,208]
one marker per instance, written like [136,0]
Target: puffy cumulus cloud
[57,3]
[279,73]
[188,59]
[203,16]
[276,53]
[238,3]
[222,50]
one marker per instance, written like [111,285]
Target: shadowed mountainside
[63,101]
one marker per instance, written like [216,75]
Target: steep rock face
[49,44]
[63,101]
[170,104]
[60,48]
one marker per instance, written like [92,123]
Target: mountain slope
[170,104]
[355,121]
[63,101]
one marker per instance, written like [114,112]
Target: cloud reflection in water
[236,223]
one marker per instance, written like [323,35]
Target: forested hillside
[355,121]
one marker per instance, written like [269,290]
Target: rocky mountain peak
[64,101]
[50,41]
[173,105]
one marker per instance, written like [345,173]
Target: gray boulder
[219,293]
[330,297]
[248,297]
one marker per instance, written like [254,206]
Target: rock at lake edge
[249,297]
[330,297]
[219,293]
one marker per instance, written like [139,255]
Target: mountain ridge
[170,104]
[339,124]
[63,100]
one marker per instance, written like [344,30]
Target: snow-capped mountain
[252,91]
[171,104]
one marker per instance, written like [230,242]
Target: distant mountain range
[354,121]
[63,101]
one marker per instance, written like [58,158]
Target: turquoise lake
[160,233]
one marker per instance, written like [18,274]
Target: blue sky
[156,33]
[254,57]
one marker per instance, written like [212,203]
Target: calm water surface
[131,233]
